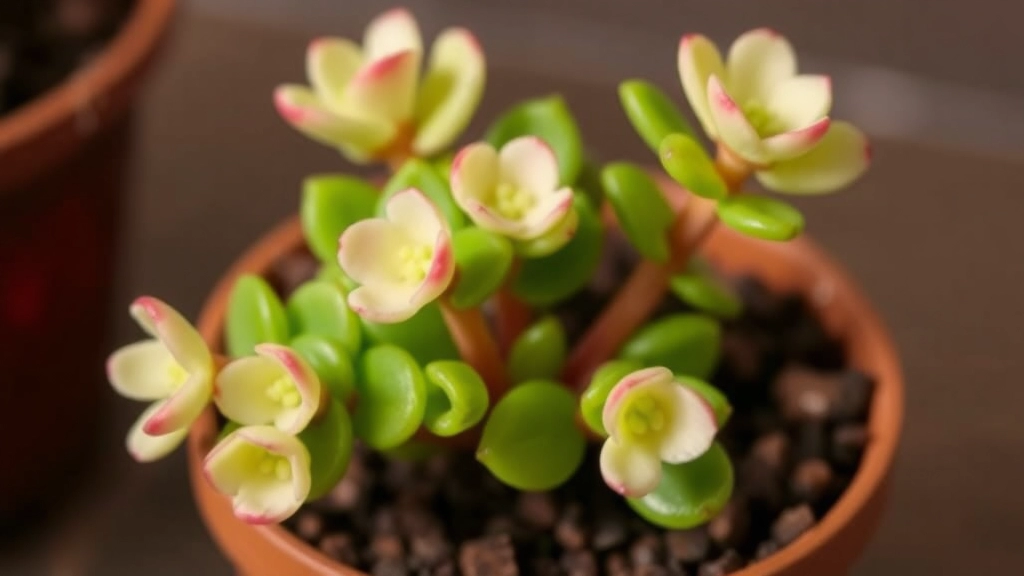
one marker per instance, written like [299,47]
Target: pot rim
[87,99]
[886,413]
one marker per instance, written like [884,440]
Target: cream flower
[369,102]
[174,368]
[514,191]
[757,106]
[402,262]
[265,471]
[650,419]
[274,387]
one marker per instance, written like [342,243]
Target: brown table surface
[933,235]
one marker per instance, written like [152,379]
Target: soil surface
[795,438]
[42,42]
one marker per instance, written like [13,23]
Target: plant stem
[476,345]
[512,315]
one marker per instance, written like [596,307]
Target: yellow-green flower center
[513,202]
[414,262]
[763,122]
[643,416]
[284,392]
[176,375]
[276,466]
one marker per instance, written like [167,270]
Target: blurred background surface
[933,232]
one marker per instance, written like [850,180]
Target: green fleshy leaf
[713,396]
[596,394]
[707,294]
[686,344]
[420,174]
[330,204]
[319,307]
[255,316]
[651,112]
[332,364]
[545,281]
[457,397]
[530,441]
[392,397]
[688,163]
[550,120]
[329,441]
[483,259]
[425,335]
[229,427]
[691,493]
[539,352]
[640,206]
[761,217]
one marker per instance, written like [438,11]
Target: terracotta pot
[828,549]
[62,161]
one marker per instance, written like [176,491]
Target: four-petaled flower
[402,262]
[274,387]
[515,191]
[370,102]
[174,368]
[265,471]
[650,419]
[757,106]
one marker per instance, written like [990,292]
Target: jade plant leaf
[530,441]
[420,174]
[457,398]
[713,396]
[319,307]
[651,112]
[688,163]
[330,361]
[596,394]
[483,260]
[691,493]
[761,217]
[545,281]
[539,352]
[643,213]
[550,120]
[330,204]
[686,344]
[329,441]
[255,315]
[707,294]
[332,272]
[392,397]
[425,335]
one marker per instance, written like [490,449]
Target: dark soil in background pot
[42,42]
[795,439]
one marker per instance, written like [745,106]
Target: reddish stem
[477,346]
[512,316]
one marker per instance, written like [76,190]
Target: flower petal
[624,388]
[305,380]
[304,111]
[546,214]
[800,100]
[233,469]
[474,176]
[385,89]
[412,212]
[528,162]
[691,424]
[734,130]
[245,390]
[450,92]
[168,326]
[841,156]
[439,275]
[393,31]
[758,60]
[143,371]
[795,142]
[628,469]
[698,60]
[182,408]
[146,448]
[368,251]
[384,303]
[553,240]
[330,65]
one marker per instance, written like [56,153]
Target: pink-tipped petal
[383,304]
[439,275]
[800,101]
[304,111]
[555,239]
[143,371]
[451,90]
[246,394]
[168,326]
[691,425]
[545,216]
[368,251]
[628,469]
[734,130]
[414,213]
[393,31]
[838,159]
[182,408]
[145,448]
[305,380]
[474,177]
[698,60]
[628,385]
[528,162]
[330,65]
[385,89]
[795,142]
[758,61]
